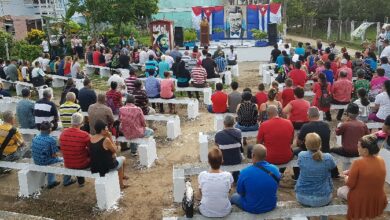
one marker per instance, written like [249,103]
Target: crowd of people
[275,114]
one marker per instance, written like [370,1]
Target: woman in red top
[318,88]
[261,95]
[298,76]
[67,66]
[288,93]
[297,109]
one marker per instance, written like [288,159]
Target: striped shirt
[130,84]
[150,65]
[221,64]
[74,145]
[45,110]
[66,111]
[198,75]
[229,141]
[141,100]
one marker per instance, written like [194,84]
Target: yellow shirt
[15,141]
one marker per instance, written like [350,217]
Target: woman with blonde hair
[314,186]
[365,182]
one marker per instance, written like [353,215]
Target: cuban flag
[275,13]
[264,17]
[196,17]
[207,12]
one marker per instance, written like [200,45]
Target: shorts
[120,160]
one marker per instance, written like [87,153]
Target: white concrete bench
[266,67]
[7,84]
[218,125]
[21,85]
[287,210]
[173,124]
[206,92]
[228,77]
[146,149]
[338,107]
[234,69]
[9,104]
[103,70]
[59,81]
[32,178]
[374,125]
[192,105]
[33,132]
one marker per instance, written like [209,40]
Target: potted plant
[190,37]
[218,34]
[260,37]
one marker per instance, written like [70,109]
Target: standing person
[341,91]
[234,98]
[89,55]
[314,186]
[163,66]
[44,152]
[247,114]
[288,93]
[209,65]
[382,104]
[297,109]
[75,69]
[96,56]
[214,187]
[87,96]
[167,90]
[277,134]
[219,100]
[75,148]
[99,111]
[68,66]
[79,47]
[12,71]
[232,56]
[60,66]
[114,98]
[103,153]
[257,184]
[45,45]
[46,110]
[322,91]
[73,44]
[25,110]
[68,109]
[351,131]
[25,71]
[298,76]
[365,182]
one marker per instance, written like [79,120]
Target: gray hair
[272,111]
[47,93]
[228,121]
[70,96]
[313,112]
[8,116]
[77,119]
[101,98]
[130,98]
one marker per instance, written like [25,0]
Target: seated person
[152,87]
[167,90]
[364,105]
[298,76]
[101,111]
[365,182]
[277,135]
[151,64]
[132,78]
[376,84]
[247,114]
[214,187]
[382,104]
[351,131]
[114,98]
[133,123]
[234,98]
[103,153]
[69,87]
[297,109]
[3,92]
[199,76]
[361,82]
[219,100]
[263,115]
[44,152]
[11,138]
[341,91]
[261,95]
[68,109]
[210,65]
[288,93]
[46,110]
[25,110]
[141,98]
[257,184]
[74,144]
[314,186]
[87,96]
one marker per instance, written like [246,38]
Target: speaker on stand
[272,33]
[179,36]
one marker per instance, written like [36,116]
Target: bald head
[272,111]
[259,152]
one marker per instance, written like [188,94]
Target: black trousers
[341,111]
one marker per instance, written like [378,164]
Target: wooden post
[340,29]
[311,27]
[329,29]
[352,28]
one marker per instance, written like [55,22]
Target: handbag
[268,172]
[188,201]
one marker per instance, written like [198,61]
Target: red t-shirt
[277,134]
[261,97]
[334,67]
[96,58]
[219,100]
[67,68]
[74,145]
[298,77]
[299,110]
[287,96]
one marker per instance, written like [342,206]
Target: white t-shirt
[45,63]
[119,80]
[36,72]
[215,189]
[45,46]
[386,52]
[363,110]
[232,55]
[169,60]
[74,69]
[24,72]
[143,57]
[383,101]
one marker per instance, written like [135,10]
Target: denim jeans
[313,201]
[236,200]
[134,146]
[245,128]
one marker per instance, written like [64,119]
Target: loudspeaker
[272,34]
[179,36]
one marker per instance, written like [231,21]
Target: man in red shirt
[74,147]
[344,68]
[96,56]
[219,100]
[341,91]
[277,135]
[298,76]
[114,98]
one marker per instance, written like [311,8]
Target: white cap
[344,61]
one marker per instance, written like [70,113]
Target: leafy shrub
[4,35]
[190,35]
[25,51]
[35,36]
[258,34]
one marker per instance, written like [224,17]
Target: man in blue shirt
[151,64]
[25,110]
[257,184]
[300,50]
[221,62]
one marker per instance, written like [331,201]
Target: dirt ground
[150,190]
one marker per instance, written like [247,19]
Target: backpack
[312,64]
[325,98]
[110,103]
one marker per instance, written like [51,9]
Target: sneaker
[81,185]
[72,181]
[51,186]
[134,154]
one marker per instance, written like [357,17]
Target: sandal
[126,177]
[124,186]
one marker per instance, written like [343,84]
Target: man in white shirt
[381,38]
[169,59]
[232,56]
[386,49]
[45,46]
[143,56]
[119,80]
